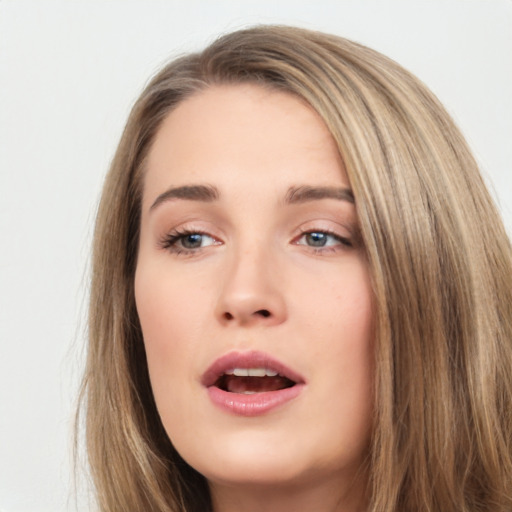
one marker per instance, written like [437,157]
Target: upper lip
[251,359]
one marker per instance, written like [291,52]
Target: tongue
[235,384]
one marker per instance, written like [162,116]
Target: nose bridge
[251,291]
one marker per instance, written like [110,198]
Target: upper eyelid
[183,232]
[222,230]
[341,229]
[336,228]
[192,226]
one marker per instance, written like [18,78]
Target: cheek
[338,301]
[166,301]
[168,315]
[341,323]
[352,310]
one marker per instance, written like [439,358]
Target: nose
[252,292]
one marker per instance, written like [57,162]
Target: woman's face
[253,291]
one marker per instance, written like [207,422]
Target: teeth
[251,372]
[257,372]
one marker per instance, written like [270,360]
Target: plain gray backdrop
[69,72]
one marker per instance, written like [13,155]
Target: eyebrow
[303,194]
[204,193]
[294,195]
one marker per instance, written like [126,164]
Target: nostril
[262,313]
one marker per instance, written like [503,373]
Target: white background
[69,72]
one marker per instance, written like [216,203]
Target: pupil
[192,241]
[316,239]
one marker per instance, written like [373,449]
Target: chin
[260,475]
[258,472]
[242,459]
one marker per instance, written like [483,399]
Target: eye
[195,240]
[321,239]
[187,241]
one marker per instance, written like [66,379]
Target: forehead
[242,134]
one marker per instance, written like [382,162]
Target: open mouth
[249,381]
[250,373]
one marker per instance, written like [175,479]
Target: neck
[323,496]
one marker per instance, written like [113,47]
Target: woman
[302,293]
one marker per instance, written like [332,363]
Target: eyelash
[172,240]
[343,241]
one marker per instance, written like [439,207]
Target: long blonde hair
[441,267]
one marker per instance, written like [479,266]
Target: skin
[255,281]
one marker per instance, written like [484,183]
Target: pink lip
[258,403]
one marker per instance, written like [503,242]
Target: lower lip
[252,405]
